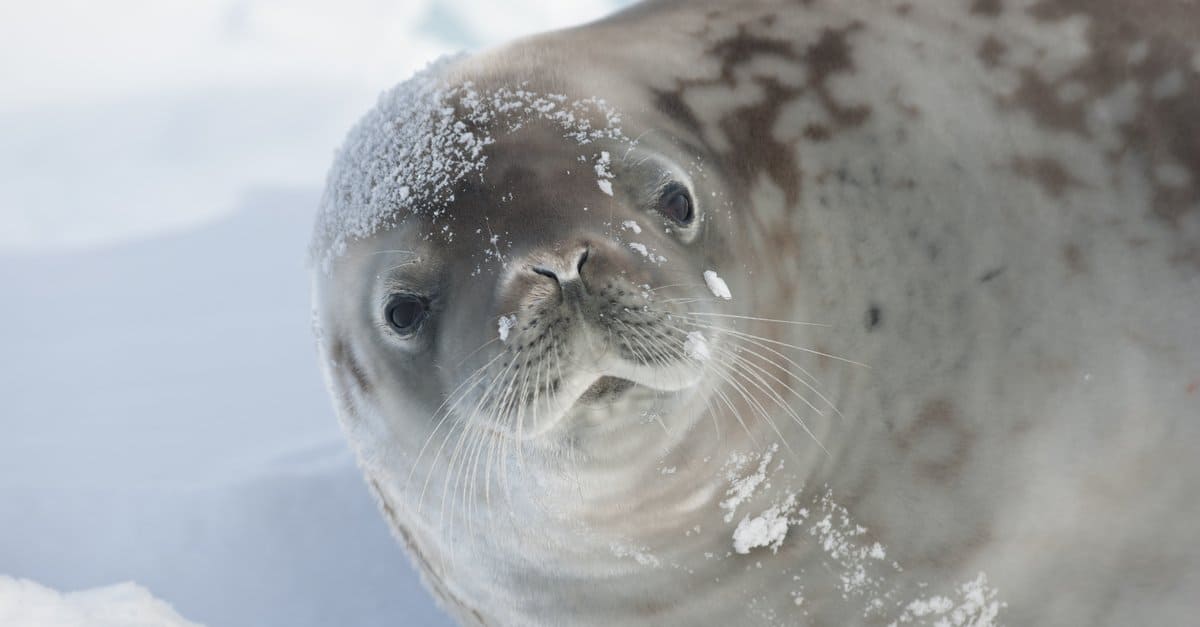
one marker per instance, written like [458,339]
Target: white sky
[125,118]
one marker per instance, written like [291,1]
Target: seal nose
[568,272]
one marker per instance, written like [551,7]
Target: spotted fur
[993,204]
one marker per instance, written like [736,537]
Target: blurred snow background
[163,417]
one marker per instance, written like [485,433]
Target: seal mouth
[605,390]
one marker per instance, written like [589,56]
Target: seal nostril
[582,259]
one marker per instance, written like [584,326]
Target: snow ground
[166,424]
[24,602]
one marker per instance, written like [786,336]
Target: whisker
[776,342]
[724,315]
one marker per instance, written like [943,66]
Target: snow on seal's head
[423,138]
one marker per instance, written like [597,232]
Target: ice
[26,603]
[717,285]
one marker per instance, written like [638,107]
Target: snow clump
[717,285]
[506,324]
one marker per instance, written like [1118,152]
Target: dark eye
[677,205]
[405,312]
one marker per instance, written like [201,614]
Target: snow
[632,225]
[26,603]
[742,487]
[859,570]
[642,250]
[696,346]
[717,285]
[407,155]
[505,324]
[768,529]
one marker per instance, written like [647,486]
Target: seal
[784,313]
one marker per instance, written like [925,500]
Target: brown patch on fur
[1163,130]
[754,150]
[817,132]
[828,57]
[749,129]
[990,51]
[1049,173]
[938,416]
[672,104]
[987,8]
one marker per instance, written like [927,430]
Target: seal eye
[677,205]
[405,312]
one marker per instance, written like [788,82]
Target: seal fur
[993,204]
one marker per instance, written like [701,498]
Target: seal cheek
[347,366]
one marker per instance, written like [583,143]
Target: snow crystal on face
[696,346]
[605,186]
[632,225]
[717,285]
[505,324]
[408,154]
[646,252]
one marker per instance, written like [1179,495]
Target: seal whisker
[474,379]
[464,424]
[646,349]
[385,252]
[759,342]
[495,418]
[758,368]
[464,464]
[756,406]
[778,343]
[663,287]
[725,315]
[773,395]
[733,410]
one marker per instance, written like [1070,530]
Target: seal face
[782,313]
